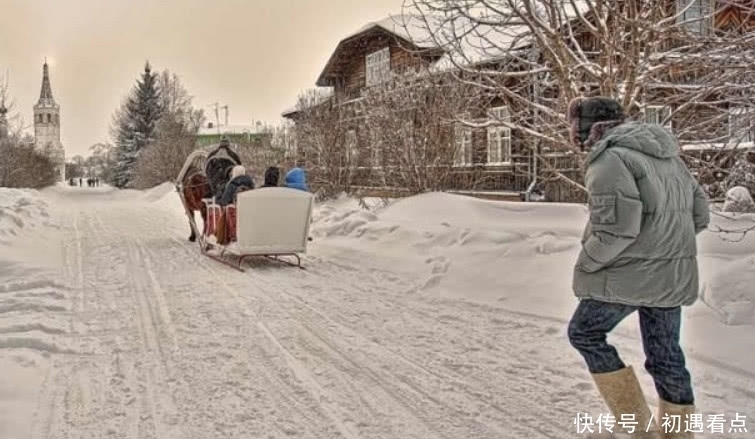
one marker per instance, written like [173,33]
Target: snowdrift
[160,192]
[21,209]
[521,253]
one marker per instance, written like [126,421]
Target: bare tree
[322,126]
[22,165]
[414,135]
[269,146]
[665,62]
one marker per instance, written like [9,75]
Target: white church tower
[47,125]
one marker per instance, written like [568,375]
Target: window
[376,149]
[292,146]
[352,153]
[658,114]
[499,136]
[378,66]
[463,142]
[741,124]
[694,16]
[415,151]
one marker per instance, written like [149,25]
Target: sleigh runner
[268,222]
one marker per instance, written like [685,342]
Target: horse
[195,186]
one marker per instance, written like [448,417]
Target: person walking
[639,254]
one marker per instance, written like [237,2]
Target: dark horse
[201,174]
[195,186]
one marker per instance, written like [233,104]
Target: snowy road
[156,341]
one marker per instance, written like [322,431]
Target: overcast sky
[255,56]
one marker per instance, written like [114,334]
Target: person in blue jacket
[297,179]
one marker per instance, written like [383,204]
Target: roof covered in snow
[321,94]
[208,130]
[462,41]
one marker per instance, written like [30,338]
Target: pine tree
[135,125]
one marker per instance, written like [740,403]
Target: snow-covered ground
[437,316]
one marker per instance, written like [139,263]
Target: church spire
[45,95]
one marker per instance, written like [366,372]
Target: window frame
[499,136]
[662,112]
[744,135]
[463,155]
[699,22]
[377,66]
[351,146]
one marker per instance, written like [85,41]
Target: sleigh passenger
[240,181]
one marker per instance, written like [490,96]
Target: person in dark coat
[272,175]
[639,255]
[219,164]
[297,179]
[240,181]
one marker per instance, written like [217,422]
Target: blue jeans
[660,328]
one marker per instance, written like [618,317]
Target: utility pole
[225,107]
[217,115]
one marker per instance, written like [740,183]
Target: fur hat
[238,171]
[585,115]
[272,175]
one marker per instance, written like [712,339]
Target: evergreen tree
[135,125]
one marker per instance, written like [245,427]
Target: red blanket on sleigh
[221,223]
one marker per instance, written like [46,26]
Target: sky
[254,56]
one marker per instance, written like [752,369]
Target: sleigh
[271,222]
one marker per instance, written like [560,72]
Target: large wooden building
[493,157]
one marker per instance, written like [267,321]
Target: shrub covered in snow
[738,199]
[742,173]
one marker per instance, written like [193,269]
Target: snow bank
[21,209]
[520,256]
[161,192]
[727,264]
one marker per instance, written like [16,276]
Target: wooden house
[492,157]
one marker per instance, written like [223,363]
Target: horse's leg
[203,214]
[193,236]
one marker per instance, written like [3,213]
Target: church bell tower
[47,124]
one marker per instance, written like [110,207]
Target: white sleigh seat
[272,221]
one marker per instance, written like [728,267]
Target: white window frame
[738,131]
[695,16]
[351,147]
[407,132]
[377,66]
[499,136]
[376,150]
[657,114]
[462,145]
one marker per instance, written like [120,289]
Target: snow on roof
[467,41]
[409,27]
[226,129]
[321,94]
[464,41]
